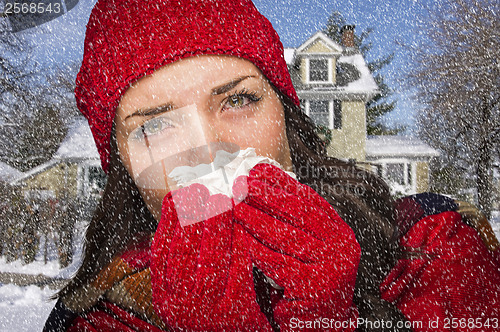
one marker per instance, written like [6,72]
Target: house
[334,84]
[73,171]
[8,176]
[402,161]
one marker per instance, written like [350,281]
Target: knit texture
[201,274]
[200,277]
[297,239]
[446,273]
[126,40]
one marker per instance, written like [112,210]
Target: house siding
[303,70]
[422,177]
[318,48]
[56,179]
[350,141]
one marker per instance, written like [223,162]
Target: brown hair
[360,197]
[363,201]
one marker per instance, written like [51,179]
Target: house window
[395,173]
[318,70]
[409,173]
[337,114]
[94,180]
[97,177]
[319,111]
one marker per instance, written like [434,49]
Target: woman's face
[181,109]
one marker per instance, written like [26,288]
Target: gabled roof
[387,146]
[354,79]
[358,79]
[320,36]
[37,170]
[78,146]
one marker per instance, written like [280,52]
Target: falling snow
[54,52]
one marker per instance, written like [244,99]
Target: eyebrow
[228,86]
[151,111]
[169,106]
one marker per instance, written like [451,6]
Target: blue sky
[295,20]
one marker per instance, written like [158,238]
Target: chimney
[347,33]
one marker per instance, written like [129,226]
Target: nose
[211,136]
[209,125]
[215,136]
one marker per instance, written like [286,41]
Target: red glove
[297,239]
[201,274]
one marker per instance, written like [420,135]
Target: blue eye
[151,128]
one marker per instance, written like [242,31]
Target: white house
[403,161]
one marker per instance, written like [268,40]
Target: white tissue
[219,175]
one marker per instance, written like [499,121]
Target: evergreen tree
[381,104]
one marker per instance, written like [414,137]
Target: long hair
[360,197]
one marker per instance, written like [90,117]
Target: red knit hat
[128,39]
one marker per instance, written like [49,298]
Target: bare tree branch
[457,74]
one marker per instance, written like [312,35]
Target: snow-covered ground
[26,308]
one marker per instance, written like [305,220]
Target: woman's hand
[201,274]
[297,239]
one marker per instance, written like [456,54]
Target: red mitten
[448,279]
[298,239]
[201,274]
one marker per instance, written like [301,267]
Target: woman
[270,253]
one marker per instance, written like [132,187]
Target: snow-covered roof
[365,82]
[77,146]
[37,170]
[289,54]
[397,146]
[79,143]
[9,174]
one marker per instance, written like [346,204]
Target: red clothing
[202,276]
[447,279]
